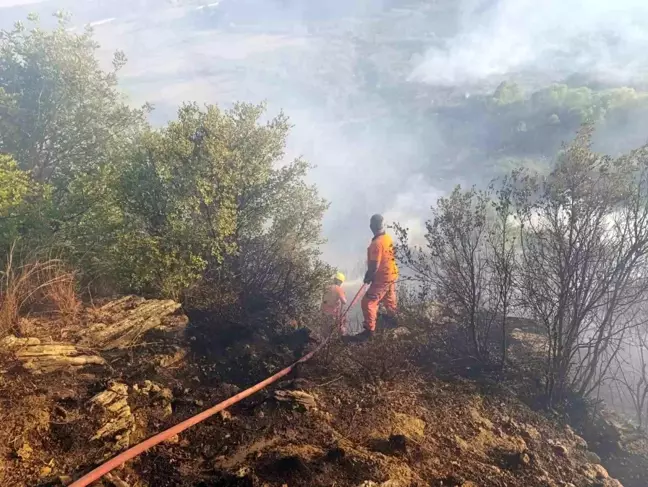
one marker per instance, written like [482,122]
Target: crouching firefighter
[332,303]
[381,276]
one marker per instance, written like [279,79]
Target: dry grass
[36,285]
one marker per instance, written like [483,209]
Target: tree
[584,243]
[454,263]
[62,118]
[20,202]
[631,374]
[507,93]
[204,197]
[502,260]
[197,202]
[14,186]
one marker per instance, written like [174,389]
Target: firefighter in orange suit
[332,303]
[381,275]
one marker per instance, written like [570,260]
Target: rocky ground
[384,413]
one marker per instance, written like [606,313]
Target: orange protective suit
[333,300]
[332,303]
[383,287]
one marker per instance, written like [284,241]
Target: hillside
[129,168]
[385,413]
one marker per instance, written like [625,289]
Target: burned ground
[390,412]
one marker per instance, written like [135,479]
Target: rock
[594,471]
[592,457]
[129,319]
[529,432]
[400,332]
[479,419]
[296,397]
[518,444]
[546,481]
[559,448]
[461,444]
[612,483]
[225,415]
[117,420]
[51,357]
[162,396]
[409,426]
[45,471]
[169,360]
[578,441]
[601,472]
[12,341]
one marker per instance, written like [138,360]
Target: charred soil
[377,413]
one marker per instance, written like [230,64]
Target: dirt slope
[361,414]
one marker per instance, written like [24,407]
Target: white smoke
[605,39]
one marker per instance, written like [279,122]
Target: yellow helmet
[339,276]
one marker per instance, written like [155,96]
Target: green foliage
[14,186]
[202,190]
[513,124]
[205,201]
[61,117]
[23,201]
[567,248]
[507,93]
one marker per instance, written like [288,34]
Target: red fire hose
[140,448]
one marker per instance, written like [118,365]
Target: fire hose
[140,448]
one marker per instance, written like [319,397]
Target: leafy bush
[206,201]
[568,249]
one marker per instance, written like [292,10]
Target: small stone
[199,403]
[594,472]
[304,399]
[601,472]
[592,457]
[559,448]
[530,433]
[45,471]
[225,415]
[613,483]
